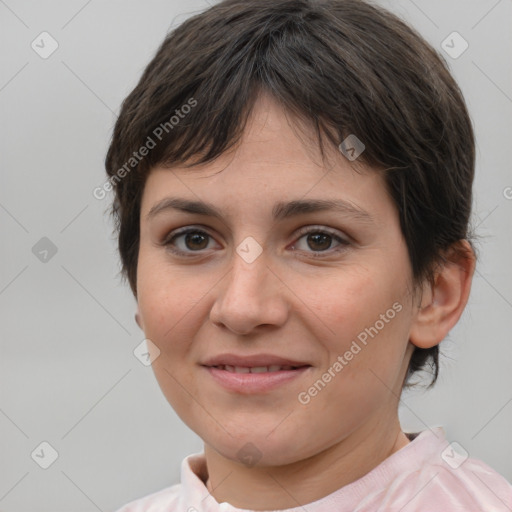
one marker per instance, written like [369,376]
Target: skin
[289,303]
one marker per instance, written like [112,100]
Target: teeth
[254,369]
[259,369]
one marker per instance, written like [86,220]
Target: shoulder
[155,502]
[428,474]
[470,486]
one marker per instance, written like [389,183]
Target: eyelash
[169,241]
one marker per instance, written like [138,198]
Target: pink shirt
[427,475]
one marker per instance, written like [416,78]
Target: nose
[251,295]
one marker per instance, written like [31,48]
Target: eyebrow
[280,210]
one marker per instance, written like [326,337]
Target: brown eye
[196,240]
[318,241]
[188,241]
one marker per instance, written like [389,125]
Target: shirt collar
[195,497]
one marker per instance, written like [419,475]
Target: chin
[260,449]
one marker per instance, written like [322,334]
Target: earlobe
[444,301]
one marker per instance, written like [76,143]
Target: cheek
[174,306]
[164,299]
[347,302]
[366,314]
[168,305]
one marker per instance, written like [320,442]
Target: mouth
[256,375]
[257,369]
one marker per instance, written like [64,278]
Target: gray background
[67,369]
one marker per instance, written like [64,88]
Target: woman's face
[274,282]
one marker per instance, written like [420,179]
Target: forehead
[277,159]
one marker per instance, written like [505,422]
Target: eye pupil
[321,239]
[196,238]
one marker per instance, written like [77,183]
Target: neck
[305,481]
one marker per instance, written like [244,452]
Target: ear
[443,302]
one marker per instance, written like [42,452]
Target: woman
[293,186]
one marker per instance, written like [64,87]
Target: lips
[257,380]
[255,374]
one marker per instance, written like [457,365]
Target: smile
[254,380]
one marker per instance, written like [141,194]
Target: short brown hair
[345,67]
